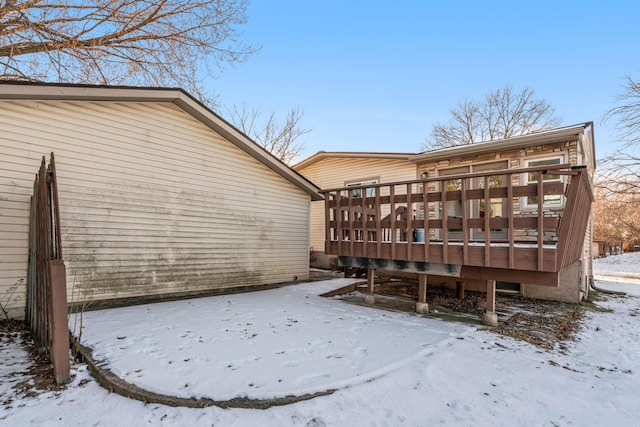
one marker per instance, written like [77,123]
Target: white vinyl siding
[335,172]
[152,201]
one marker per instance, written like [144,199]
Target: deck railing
[525,219]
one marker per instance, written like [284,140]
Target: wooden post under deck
[490,317]
[422,306]
[460,289]
[370,298]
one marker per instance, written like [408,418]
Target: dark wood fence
[46,311]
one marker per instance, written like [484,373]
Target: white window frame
[530,163]
[473,168]
[357,193]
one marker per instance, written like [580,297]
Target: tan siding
[334,172]
[152,201]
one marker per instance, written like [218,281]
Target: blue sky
[376,75]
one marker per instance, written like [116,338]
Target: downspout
[592,284]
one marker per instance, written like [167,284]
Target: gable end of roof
[182,99]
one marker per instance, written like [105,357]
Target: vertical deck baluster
[327,222]
[378,224]
[540,221]
[465,217]
[350,216]
[364,213]
[409,225]
[510,219]
[394,214]
[425,219]
[487,222]
[445,224]
[339,218]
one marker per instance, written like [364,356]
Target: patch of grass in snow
[38,378]
[594,298]
[541,329]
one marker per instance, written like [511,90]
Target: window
[532,177]
[497,208]
[357,193]
[454,207]
[477,209]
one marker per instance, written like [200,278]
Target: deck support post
[460,289]
[421,306]
[490,317]
[370,298]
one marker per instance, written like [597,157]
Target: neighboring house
[347,169]
[159,196]
[472,231]
[599,248]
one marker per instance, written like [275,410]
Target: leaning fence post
[58,322]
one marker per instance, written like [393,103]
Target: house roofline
[179,97]
[321,155]
[539,138]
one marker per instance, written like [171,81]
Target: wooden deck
[506,225]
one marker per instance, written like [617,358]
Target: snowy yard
[388,368]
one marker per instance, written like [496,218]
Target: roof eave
[543,138]
[321,155]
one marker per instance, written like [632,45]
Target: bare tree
[137,42]
[622,167]
[616,216]
[502,113]
[627,113]
[617,185]
[276,136]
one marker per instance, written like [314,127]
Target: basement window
[508,287]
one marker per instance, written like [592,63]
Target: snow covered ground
[390,368]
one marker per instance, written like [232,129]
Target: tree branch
[125,41]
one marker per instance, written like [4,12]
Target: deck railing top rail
[563,169]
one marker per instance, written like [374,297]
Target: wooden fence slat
[46,284]
[58,321]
